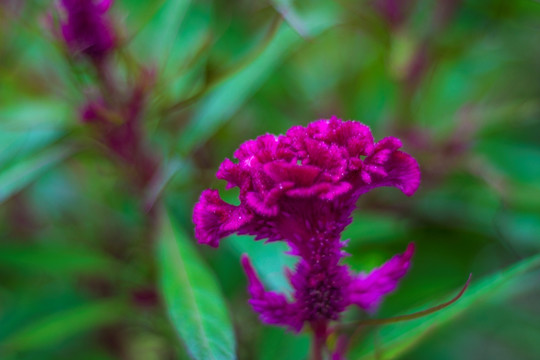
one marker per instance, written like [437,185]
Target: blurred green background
[89,263]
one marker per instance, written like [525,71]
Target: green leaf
[17,144]
[170,20]
[22,173]
[227,97]
[159,36]
[158,185]
[58,326]
[54,259]
[289,13]
[503,154]
[396,339]
[30,115]
[194,302]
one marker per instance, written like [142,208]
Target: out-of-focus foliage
[90,265]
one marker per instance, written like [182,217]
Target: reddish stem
[320,333]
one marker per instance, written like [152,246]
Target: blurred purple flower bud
[86,28]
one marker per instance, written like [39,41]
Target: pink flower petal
[367,291]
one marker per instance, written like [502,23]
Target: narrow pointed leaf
[158,37]
[222,102]
[194,302]
[23,172]
[17,144]
[60,325]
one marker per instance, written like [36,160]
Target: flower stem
[320,333]
[376,322]
[317,350]
[416,315]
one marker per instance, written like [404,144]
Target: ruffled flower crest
[301,188]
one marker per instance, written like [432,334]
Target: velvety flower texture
[301,188]
[86,28]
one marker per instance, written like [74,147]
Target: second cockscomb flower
[302,188]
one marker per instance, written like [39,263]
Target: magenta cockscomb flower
[302,188]
[86,28]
